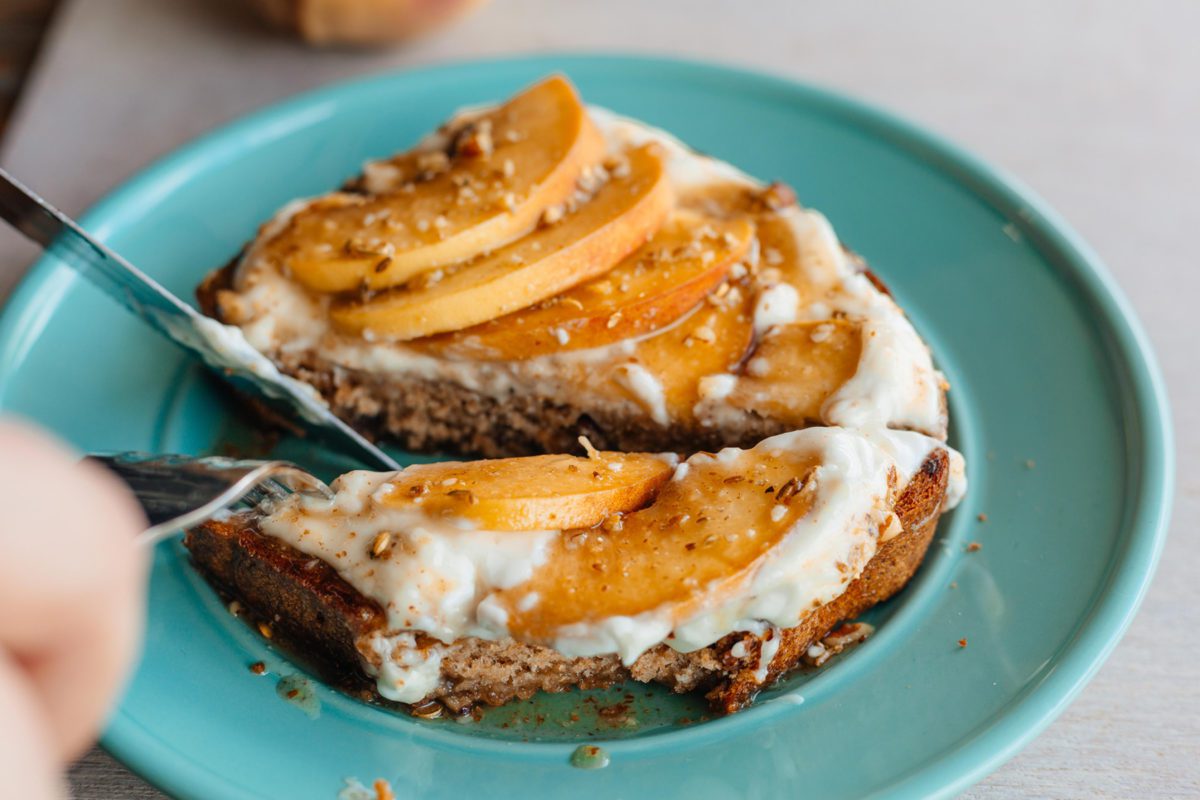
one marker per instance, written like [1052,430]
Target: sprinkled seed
[592,452]
[778,195]
[264,629]
[353,249]
[430,709]
[383,264]
[734,479]
[787,490]
[465,495]
[382,542]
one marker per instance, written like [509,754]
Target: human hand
[71,604]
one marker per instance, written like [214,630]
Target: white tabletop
[1094,105]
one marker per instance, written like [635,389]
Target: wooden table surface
[1096,105]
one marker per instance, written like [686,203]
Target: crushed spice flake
[962,643]
[974,547]
[258,668]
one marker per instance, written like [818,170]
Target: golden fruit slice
[703,532]
[650,289]
[795,368]
[534,493]
[622,215]
[714,339]
[501,174]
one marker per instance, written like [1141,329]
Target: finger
[71,581]
[28,762]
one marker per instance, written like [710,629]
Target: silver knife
[221,347]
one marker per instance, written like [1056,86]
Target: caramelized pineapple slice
[714,339]
[503,172]
[796,367]
[534,493]
[704,530]
[622,215]
[649,290]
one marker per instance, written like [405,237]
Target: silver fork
[180,492]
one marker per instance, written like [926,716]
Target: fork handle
[170,487]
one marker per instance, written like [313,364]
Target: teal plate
[1056,403]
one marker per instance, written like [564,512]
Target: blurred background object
[361,22]
[21,25]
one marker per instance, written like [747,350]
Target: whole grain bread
[424,415]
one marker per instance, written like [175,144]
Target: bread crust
[328,621]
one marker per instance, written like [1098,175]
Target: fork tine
[255,497]
[178,492]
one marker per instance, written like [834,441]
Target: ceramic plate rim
[1144,395]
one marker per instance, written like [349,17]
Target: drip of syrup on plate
[298,690]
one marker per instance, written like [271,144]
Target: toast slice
[322,614]
[668,302]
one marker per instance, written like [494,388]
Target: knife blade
[221,347]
